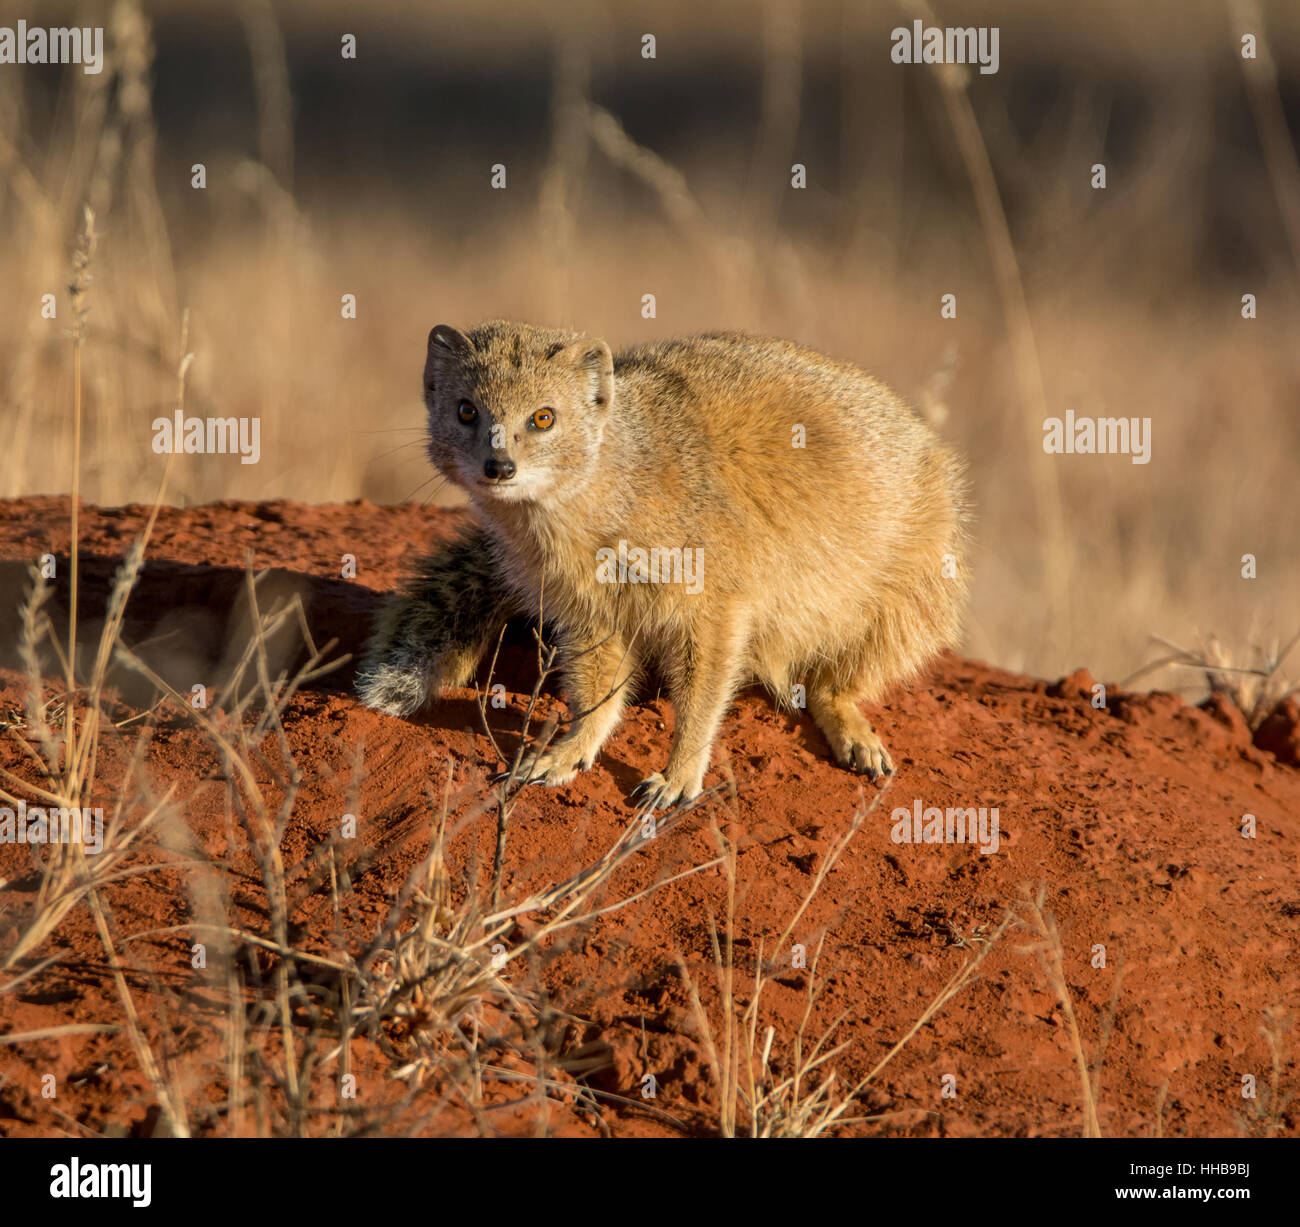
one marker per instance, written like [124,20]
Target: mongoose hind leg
[597,679]
[854,743]
[434,634]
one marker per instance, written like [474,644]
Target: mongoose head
[516,412]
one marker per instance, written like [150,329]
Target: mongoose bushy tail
[726,507]
[435,633]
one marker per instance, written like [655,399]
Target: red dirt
[1130,816]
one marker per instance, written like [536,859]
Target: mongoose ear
[593,358]
[446,341]
[447,348]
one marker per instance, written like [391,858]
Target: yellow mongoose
[728,507]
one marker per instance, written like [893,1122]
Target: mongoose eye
[466,412]
[544,419]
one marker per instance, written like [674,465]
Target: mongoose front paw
[657,792]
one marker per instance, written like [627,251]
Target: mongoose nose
[499,469]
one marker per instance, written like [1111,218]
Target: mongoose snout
[725,507]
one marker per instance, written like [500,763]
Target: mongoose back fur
[727,507]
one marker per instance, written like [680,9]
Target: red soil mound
[1131,815]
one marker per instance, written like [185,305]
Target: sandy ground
[1131,817]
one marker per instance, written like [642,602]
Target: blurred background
[670,176]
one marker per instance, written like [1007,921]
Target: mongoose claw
[655,792]
[871,760]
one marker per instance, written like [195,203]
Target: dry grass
[1255,688]
[65,769]
[1264,1114]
